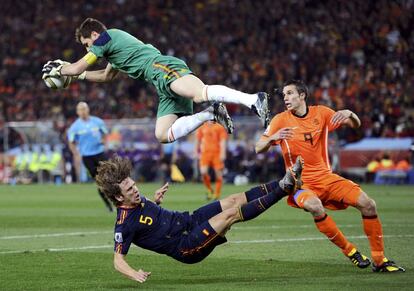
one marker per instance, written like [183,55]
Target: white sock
[187,124]
[225,94]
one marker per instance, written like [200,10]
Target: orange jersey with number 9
[310,140]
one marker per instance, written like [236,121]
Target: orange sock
[207,182]
[328,227]
[219,183]
[373,230]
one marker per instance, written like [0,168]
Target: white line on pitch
[246,227]
[312,239]
[312,225]
[58,250]
[54,234]
[230,242]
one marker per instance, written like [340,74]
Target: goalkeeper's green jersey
[125,53]
[143,61]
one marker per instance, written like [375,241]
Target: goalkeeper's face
[87,42]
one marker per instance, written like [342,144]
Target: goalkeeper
[176,85]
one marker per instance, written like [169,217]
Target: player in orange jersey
[210,147]
[303,130]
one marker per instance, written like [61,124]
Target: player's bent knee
[161,136]
[230,201]
[203,170]
[200,95]
[198,99]
[231,215]
[314,206]
[369,207]
[366,205]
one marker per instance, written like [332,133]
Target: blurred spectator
[386,162]
[403,165]
[388,173]
[372,169]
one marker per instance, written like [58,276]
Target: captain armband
[90,58]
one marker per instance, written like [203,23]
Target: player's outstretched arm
[74,69]
[79,69]
[265,143]
[122,266]
[105,75]
[346,117]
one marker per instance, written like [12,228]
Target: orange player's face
[87,42]
[130,195]
[293,100]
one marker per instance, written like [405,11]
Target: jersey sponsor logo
[118,237]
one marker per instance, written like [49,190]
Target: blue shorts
[201,240]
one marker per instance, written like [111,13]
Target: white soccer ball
[56,82]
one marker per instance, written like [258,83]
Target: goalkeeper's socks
[261,190]
[258,206]
[187,124]
[225,94]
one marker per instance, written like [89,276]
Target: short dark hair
[300,86]
[110,174]
[88,25]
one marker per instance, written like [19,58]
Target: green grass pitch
[60,238]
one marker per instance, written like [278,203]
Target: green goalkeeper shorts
[165,70]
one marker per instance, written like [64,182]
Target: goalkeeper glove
[52,68]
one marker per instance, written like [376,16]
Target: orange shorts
[211,160]
[334,191]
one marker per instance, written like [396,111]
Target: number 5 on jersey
[145,220]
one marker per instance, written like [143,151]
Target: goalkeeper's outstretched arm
[79,69]
[105,75]
[74,69]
